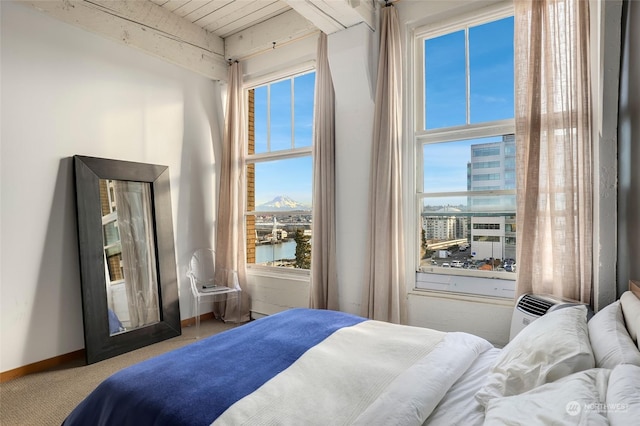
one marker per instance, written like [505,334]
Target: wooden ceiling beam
[146,26]
[272,33]
[331,16]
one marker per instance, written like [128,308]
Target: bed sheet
[372,373]
[458,406]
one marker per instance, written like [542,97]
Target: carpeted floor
[47,398]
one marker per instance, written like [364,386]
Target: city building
[488,220]
[492,168]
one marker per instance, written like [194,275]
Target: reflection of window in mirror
[129,255]
[111,236]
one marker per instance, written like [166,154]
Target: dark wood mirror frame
[99,343]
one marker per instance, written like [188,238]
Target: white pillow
[552,347]
[623,395]
[574,400]
[631,311]
[610,339]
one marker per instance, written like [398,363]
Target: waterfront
[266,253]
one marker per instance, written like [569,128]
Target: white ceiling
[224,17]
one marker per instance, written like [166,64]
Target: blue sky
[291,177]
[491,95]
[491,98]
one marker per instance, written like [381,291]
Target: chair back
[202,268]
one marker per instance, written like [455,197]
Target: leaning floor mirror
[127,258]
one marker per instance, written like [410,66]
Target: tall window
[279,172]
[465,147]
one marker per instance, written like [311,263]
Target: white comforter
[373,373]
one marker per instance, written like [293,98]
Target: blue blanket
[193,385]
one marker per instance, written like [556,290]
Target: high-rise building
[492,168]
[488,219]
[446,223]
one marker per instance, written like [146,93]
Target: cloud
[493,99]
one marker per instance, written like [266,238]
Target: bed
[318,367]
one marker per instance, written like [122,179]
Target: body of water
[270,252]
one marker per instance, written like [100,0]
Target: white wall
[605,70]
[485,317]
[352,61]
[65,92]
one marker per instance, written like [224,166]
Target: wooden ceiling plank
[211,21]
[210,8]
[229,8]
[172,5]
[190,7]
[98,20]
[244,17]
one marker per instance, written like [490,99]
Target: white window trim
[450,134]
[442,27]
[285,154]
[504,285]
[269,83]
[280,74]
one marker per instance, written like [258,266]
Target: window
[465,149]
[486,226]
[279,172]
[111,233]
[486,165]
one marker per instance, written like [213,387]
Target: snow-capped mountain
[282,202]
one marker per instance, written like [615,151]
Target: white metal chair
[207,283]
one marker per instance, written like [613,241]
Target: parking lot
[463,259]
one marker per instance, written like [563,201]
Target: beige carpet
[47,398]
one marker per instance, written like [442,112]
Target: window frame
[495,283]
[283,154]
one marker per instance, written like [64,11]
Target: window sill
[466,297]
[279,272]
[495,285]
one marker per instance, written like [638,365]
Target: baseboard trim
[40,366]
[47,364]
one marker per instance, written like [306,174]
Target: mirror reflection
[129,255]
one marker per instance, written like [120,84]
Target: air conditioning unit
[530,307]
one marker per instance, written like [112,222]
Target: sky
[491,97]
[291,177]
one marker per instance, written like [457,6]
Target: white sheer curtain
[135,225]
[384,288]
[553,137]
[230,230]
[324,276]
